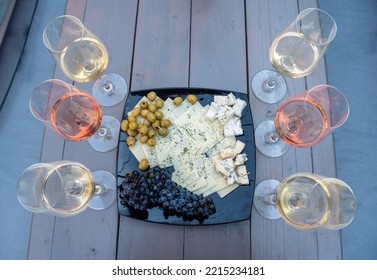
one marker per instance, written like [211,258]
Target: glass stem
[269,85]
[271,137]
[270,199]
[104,132]
[99,189]
[108,88]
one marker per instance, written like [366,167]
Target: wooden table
[186,43]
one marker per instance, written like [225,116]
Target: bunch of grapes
[154,188]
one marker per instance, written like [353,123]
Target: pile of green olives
[146,120]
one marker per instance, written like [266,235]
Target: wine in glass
[65,188]
[83,57]
[73,114]
[295,53]
[306,201]
[302,120]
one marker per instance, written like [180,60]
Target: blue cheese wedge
[221,100]
[242,175]
[225,166]
[233,127]
[240,159]
[228,153]
[231,99]
[213,111]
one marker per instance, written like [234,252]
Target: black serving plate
[236,206]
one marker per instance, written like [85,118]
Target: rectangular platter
[235,206]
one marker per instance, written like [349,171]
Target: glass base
[265,199]
[108,192]
[269,86]
[107,136]
[110,89]
[268,141]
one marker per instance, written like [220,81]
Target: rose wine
[84,60]
[301,122]
[76,116]
[292,55]
[68,190]
[303,201]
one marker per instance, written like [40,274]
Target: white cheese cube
[239,146]
[231,99]
[225,114]
[240,159]
[227,153]
[238,107]
[221,100]
[233,127]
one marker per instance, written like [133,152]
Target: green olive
[162,131]
[143,139]
[124,125]
[151,132]
[151,95]
[132,132]
[151,142]
[178,100]
[152,107]
[159,115]
[133,125]
[151,117]
[147,123]
[192,98]
[144,112]
[165,123]
[143,164]
[131,141]
[143,129]
[144,104]
[131,118]
[159,103]
[156,124]
[136,111]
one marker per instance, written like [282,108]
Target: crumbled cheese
[233,127]
[232,178]
[231,99]
[213,111]
[242,175]
[225,167]
[221,100]
[239,146]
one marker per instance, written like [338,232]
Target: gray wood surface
[178,43]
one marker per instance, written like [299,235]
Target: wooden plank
[324,163]
[93,234]
[161,59]
[218,60]
[265,20]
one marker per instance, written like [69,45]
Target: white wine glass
[295,53]
[83,57]
[303,120]
[74,115]
[306,201]
[65,188]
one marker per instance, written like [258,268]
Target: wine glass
[74,114]
[295,53]
[83,57]
[306,201]
[65,188]
[302,120]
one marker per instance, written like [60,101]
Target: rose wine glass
[295,53]
[65,188]
[302,121]
[306,201]
[74,114]
[83,58]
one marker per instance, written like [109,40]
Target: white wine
[68,190]
[304,201]
[292,55]
[84,59]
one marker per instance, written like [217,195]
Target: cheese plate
[192,131]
